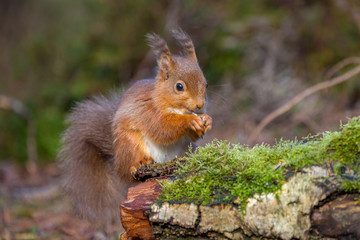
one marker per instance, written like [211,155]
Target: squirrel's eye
[179,87]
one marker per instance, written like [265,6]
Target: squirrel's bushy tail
[86,159]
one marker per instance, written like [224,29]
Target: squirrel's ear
[185,42]
[162,54]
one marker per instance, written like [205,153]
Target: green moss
[221,171]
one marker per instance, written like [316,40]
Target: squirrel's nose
[200,105]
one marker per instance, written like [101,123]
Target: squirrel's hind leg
[130,153]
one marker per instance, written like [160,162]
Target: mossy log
[140,198]
[309,205]
[133,210]
[306,189]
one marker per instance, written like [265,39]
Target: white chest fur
[163,153]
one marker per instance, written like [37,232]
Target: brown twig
[340,65]
[309,91]
[12,104]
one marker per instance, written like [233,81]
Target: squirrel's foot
[207,121]
[197,126]
[143,161]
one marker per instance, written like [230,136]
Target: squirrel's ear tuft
[185,42]
[162,53]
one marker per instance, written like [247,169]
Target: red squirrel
[155,120]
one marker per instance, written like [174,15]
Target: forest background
[256,56]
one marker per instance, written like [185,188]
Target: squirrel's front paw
[197,126]
[207,121]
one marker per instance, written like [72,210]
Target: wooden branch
[310,204]
[132,210]
[147,171]
[298,98]
[141,197]
[340,217]
[340,65]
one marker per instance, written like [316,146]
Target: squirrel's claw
[197,126]
[133,171]
[145,160]
[207,122]
[141,162]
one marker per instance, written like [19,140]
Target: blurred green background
[256,56]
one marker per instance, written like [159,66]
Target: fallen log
[293,214]
[310,204]
[294,190]
[133,210]
[338,218]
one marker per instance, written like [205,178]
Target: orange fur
[154,120]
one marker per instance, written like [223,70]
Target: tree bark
[339,218]
[133,210]
[310,204]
